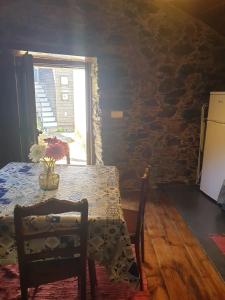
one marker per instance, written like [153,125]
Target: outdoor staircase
[44,110]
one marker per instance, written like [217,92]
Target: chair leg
[138,257]
[83,287]
[143,244]
[78,282]
[24,293]
[92,276]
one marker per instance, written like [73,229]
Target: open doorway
[60,95]
[61,102]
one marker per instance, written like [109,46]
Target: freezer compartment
[213,168]
[217,107]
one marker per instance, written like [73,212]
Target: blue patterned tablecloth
[108,243]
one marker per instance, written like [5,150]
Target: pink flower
[52,140]
[56,150]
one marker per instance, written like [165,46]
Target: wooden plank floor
[176,266]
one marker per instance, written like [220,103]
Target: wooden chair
[57,264]
[135,223]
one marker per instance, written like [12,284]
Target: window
[65,96]
[64,80]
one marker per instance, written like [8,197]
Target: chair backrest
[142,201]
[51,206]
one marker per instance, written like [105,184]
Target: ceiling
[211,12]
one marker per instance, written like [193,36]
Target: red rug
[219,240]
[67,289]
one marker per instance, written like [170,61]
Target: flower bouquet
[48,152]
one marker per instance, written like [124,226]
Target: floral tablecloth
[108,242]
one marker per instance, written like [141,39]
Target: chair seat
[130,217]
[46,271]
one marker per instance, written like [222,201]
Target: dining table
[108,239]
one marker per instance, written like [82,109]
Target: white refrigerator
[213,167]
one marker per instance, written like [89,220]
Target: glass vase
[48,179]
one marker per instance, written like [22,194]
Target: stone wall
[155,63]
